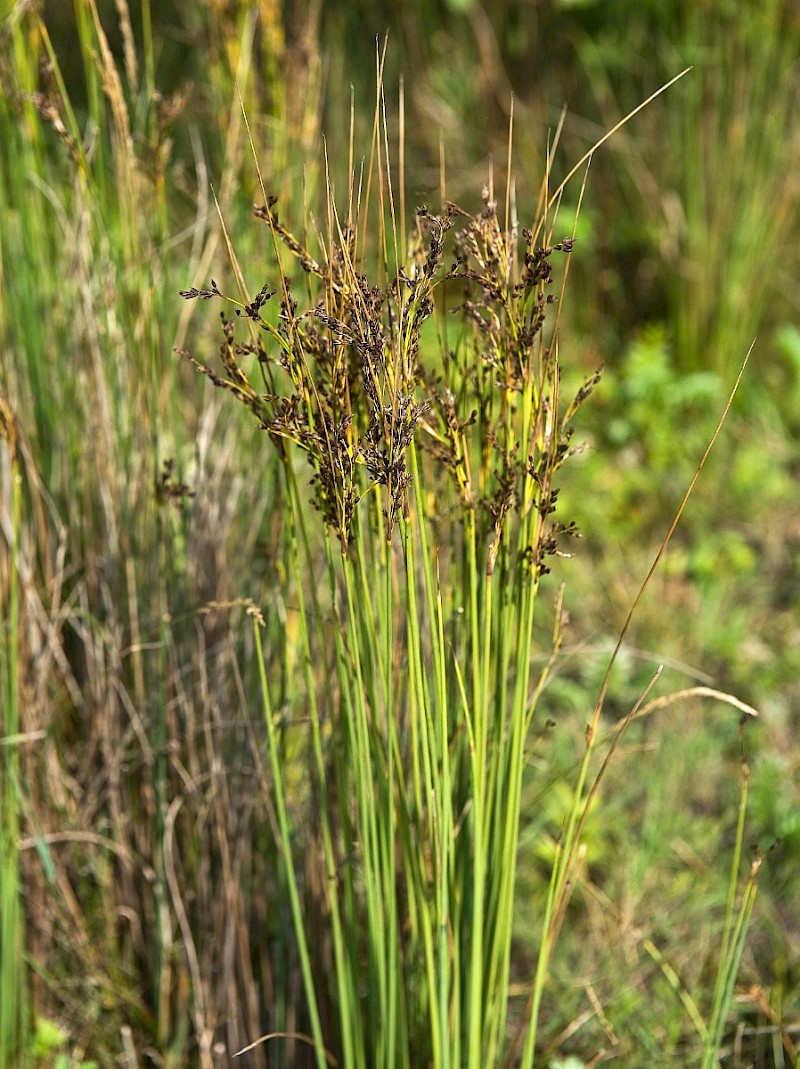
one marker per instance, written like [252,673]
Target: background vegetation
[145,915]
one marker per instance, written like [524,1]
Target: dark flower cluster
[351,378]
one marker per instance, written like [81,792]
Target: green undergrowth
[293,728]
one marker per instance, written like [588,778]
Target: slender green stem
[346,982]
[734,933]
[477,969]
[286,848]
[14,1022]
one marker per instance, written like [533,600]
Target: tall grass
[344,871]
[13,978]
[435,474]
[117,582]
[420,377]
[723,200]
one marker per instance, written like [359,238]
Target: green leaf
[47,1037]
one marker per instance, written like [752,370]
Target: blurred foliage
[687,248]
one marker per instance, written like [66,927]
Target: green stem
[13,975]
[286,847]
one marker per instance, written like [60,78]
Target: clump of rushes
[424,391]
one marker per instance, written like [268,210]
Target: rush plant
[416,368]
[421,383]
